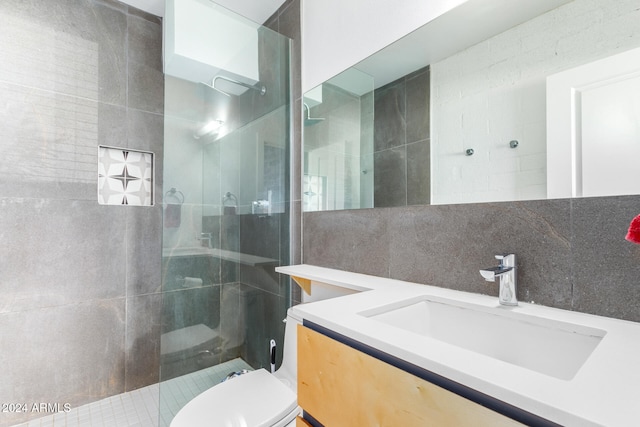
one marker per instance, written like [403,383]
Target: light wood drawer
[300,422]
[340,386]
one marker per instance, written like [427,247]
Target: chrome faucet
[205,237]
[506,274]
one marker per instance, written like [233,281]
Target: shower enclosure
[226,201]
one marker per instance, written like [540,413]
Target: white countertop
[605,391]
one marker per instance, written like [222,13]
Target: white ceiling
[256,10]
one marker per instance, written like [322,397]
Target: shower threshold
[151,406]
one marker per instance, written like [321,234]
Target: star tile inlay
[125,177]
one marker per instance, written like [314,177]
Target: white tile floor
[139,408]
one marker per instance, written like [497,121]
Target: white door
[593,128]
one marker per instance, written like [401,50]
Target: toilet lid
[256,399]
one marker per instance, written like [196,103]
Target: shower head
[308,120]
[259,87]
[215,88]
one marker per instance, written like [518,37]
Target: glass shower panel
[246,212]
[226,222]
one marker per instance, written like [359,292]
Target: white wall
[197,46]
[337,34]
[494,92]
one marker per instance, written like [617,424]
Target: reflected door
[611,139]
[593,128]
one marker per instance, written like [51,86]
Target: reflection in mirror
[489,95]
[338,144]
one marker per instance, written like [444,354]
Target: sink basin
[550,347]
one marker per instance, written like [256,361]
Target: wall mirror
[496,100]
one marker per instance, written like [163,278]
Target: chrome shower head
[259,87]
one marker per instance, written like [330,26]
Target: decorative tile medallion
[125,177]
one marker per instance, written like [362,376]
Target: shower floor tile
[151,406]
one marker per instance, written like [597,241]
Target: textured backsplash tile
[571,252]
[125,177]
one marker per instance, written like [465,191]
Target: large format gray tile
[418,97]
[390,116]
[191,306]
[263,322]
[145,76]
[273,60]
[447,245]
[69,354]
[272,22]
[289,25]
[354,240]
[367,123]
[55,252]
[606,267]
[145,41]
[144,249]
[112,125]
[48,144]
[133,11]
[390,177]
[142,341]
[260,235]
[264,278]
[146,86]
[73,47]
[145,132]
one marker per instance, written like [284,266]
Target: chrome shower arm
[261,88]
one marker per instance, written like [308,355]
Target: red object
[633,235]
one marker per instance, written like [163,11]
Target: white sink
[550,347]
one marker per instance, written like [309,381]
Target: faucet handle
[508,260]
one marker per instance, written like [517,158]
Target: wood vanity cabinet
[341,386]
[301,422]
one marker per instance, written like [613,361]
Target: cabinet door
[340,386]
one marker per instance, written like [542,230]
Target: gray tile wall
[79,314]
[571,252]
[402,141]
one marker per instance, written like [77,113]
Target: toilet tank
[319,291]
[287,373]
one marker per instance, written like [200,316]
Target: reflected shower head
[308,120]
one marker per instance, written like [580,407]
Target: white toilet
[255,399]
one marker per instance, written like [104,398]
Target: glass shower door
[226,218]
